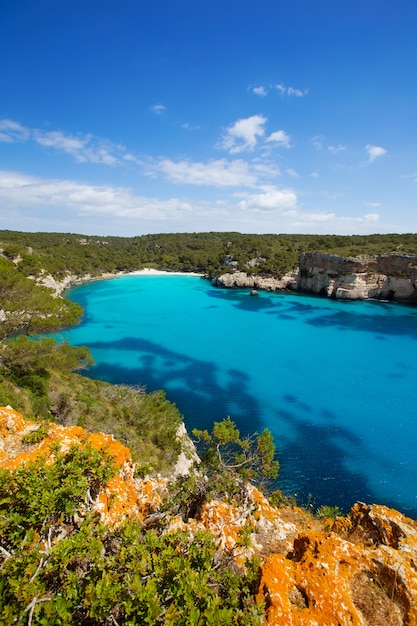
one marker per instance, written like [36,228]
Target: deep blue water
[334,381]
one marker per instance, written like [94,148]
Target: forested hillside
[59,254]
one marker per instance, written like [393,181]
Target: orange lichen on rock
[122,496]
[327,579]
[361,572]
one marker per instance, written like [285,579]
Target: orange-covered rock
[360,570]
[121,497]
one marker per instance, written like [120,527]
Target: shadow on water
[377,324]
[243,300]
[314,461]
[192,384]
[353,318]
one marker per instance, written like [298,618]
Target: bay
[333,381]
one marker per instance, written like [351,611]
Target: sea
[334,382]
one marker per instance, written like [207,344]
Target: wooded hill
[59,254]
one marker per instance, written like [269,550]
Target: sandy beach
[150,271]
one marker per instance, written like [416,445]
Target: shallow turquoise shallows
[335,382]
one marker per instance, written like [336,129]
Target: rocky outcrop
[384,277]
[241,280]
[358,570]
[70,280]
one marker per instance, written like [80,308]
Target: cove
[333,381]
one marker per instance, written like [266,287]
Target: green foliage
[251,458]
[328,512]
[36,377]
[35,436]
[56,569]
[270,254]
[37,496]
[29,307]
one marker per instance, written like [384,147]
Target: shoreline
[150,271]
[71,281]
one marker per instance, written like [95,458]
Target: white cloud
[11,131]
[83,148]
[413,176]
[57,139]
[271,199]
[26,192]
[188,126]
[218,173]
[158,109]
[280,137]
[259,91]
[291,91]
[317,141]
[243,134]
[322,222]
[291,172]
[373,204]
[30,202]
[297,92]
[374,152]
[336,149]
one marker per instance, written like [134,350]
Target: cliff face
[384,277]
[357,570]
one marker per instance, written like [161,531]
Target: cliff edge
[358,570]
[381,277]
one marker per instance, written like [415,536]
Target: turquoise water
[333,381]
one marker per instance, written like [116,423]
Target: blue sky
[274,116]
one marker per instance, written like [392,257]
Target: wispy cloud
[188,126]
[26,192]
[243,134]
[374,152]
[336,149]
[83,148]
[259,91]
[99,209]
[291,91]
[318,141]
[291,172]
[413,176]
[281,138]
[217,173]
[270,199]
[158,109]
[11,131]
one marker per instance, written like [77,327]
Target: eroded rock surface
[384,277]
[359,570]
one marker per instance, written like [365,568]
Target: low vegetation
[60,568]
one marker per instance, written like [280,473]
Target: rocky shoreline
[390,277]
[383,277]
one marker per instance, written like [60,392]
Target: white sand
[149,271]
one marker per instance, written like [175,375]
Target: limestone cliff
[358,570]
[383,277]
[386,277]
